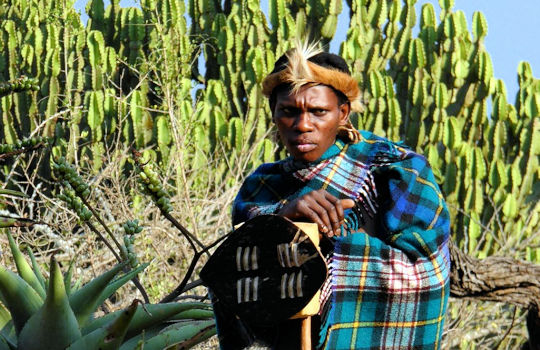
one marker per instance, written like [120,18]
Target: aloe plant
[53,314]
[36,313]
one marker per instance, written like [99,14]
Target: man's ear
[344,111]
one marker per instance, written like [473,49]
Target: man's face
[308,121]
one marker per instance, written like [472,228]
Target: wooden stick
[305,337]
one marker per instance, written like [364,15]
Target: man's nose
[303,122]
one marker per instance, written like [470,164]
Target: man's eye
[319,111]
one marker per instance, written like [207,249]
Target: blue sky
[513,35]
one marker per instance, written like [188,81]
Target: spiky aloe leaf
[36,268]
[24,269]
[194,314]
[67,277]
[4,344]
[156,314]
[7,331]
[201,336]
[86,299]
[108,337]
[189,311]
[118,329]
[19,297]
[5,317]
[181,334]
[119,282]
[54,325]
[136,341]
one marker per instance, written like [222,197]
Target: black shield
[266,271]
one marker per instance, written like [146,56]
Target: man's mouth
[304,146]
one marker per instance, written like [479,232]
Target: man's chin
[306,157]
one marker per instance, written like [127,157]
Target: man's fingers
[321,208]
[343,205]
[337,206]
[315,213]
[332,214]
[323,214]
[347,203]
[335,211]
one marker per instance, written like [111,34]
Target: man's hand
[321,208]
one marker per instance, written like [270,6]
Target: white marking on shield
[283,286]
[255,289]
[287,249]
[247,284]
[254,253]
[291,285]
[299,292]
[239,291]
[280,255]
[245,259]
[239,259]
[294,251]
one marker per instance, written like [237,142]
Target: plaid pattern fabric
[386,290]
[342,171]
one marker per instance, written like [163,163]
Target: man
[375,201]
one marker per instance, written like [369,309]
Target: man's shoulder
[376,140]
[372,144]
[380,152]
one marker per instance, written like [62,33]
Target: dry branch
[11,154]
[499,279]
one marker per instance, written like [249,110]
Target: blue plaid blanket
[386,289]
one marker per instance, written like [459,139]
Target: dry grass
[484,325]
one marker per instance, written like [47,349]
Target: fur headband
[299,71]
